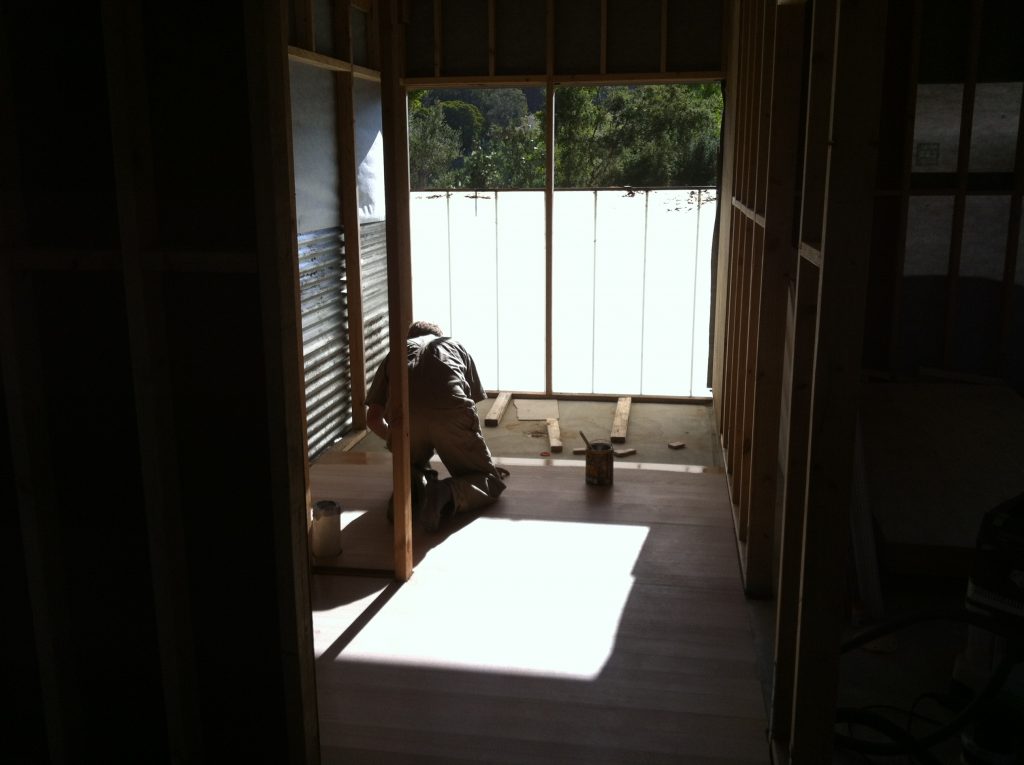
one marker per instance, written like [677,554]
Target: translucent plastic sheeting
[618,291]
[315,148]
[631,284]
[572,310]
[937,127]
[431,291]
[986,228]
[478,269]
[520,297]
[929,227]
[473,275]
[994,132]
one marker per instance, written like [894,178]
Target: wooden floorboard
[565,624]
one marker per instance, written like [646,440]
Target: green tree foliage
[651,136]
[434,147]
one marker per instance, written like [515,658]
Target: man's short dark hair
[421,328]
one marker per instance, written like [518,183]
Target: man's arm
[375,421]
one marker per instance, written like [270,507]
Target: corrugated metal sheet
[373,253]
[324,308]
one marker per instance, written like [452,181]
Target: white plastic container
[326,529]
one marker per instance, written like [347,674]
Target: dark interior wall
[90,598]
[946,281]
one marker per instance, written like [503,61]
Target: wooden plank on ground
[497,410]
[621,421]
[554,436]
[352,439]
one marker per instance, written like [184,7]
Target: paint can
[599,463]
[326,529]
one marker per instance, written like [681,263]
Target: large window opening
[633,209]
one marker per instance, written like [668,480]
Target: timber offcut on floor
[566,623]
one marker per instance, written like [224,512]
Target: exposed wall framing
[805,96]
[163,289]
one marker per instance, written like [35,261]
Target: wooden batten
[318,60]
[497,411]
[554,435]
[620,422]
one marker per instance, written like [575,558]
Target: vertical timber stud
[266,26]
[343,30]
[31,449]
[604,37]
[787,600]
[350,221]
[663,58]
[491,41]
[396,174]
[778,264]
[438,32]
[726,217]
[905,183]
[122,31]
[304,34]
[855,100]
[549,193]
[960,200]
[1012,245]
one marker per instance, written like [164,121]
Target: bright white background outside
[631,280]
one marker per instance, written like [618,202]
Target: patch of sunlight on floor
[515,596]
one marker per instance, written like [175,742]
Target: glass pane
[471,234]
[986,227]
[929,227]
[618,291]
[937,128]
[994,132]
[572,346]
[520,293]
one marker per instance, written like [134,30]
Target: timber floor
[565,624]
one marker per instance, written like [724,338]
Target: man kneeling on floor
[443,391]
